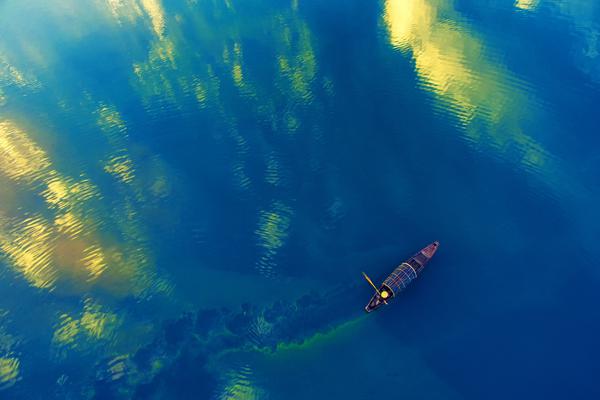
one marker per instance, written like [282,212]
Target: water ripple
[490,104]
[10,364]
[95,325]
[272,232]
[9,371]
[240,385]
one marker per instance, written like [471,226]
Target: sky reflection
[157,155]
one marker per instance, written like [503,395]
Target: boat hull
[401,277]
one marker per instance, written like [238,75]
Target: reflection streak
[10,365]
[240,385]
[526,4]
[451,62]
[63,242]
[272,232]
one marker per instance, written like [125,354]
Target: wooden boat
[400,278]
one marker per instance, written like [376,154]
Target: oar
[374,287]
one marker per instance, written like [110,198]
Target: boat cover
[400,278]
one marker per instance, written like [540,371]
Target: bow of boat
[430,250]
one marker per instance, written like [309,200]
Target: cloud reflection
[78,230]
[10,365]
[9,371]
[94,323]
[63,245]
[526,4]
[240,385]
[223,82]
[491,105]
[272,232]
[156,13]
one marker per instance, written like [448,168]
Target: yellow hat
[384,294]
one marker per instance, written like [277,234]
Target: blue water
[189,190]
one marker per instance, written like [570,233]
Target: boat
[400,278]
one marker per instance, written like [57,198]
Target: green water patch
[198,348]
[355,359]
[321,339]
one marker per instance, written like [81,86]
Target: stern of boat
[375,303]
[377,300]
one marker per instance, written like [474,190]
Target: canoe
[401,277]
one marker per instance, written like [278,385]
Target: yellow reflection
[175,71]
[61,245]
[94,323]
[9,362]
[97,322]
[526,4]
[10,74]
[201,93]
[157,17]
[94,261]
[150,80]
[20,158]
[128,262]
[111,122]
[67,330]
[240,386]
[68,224]
[65,193]
[9,371]
[273,226]
[297,63]
[451,62]
[169,67]
[121,167]
[30,249]
[238,75]
[272,231]
[124,9]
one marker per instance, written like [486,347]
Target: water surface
[190,189]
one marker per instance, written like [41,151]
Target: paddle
[374,287]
